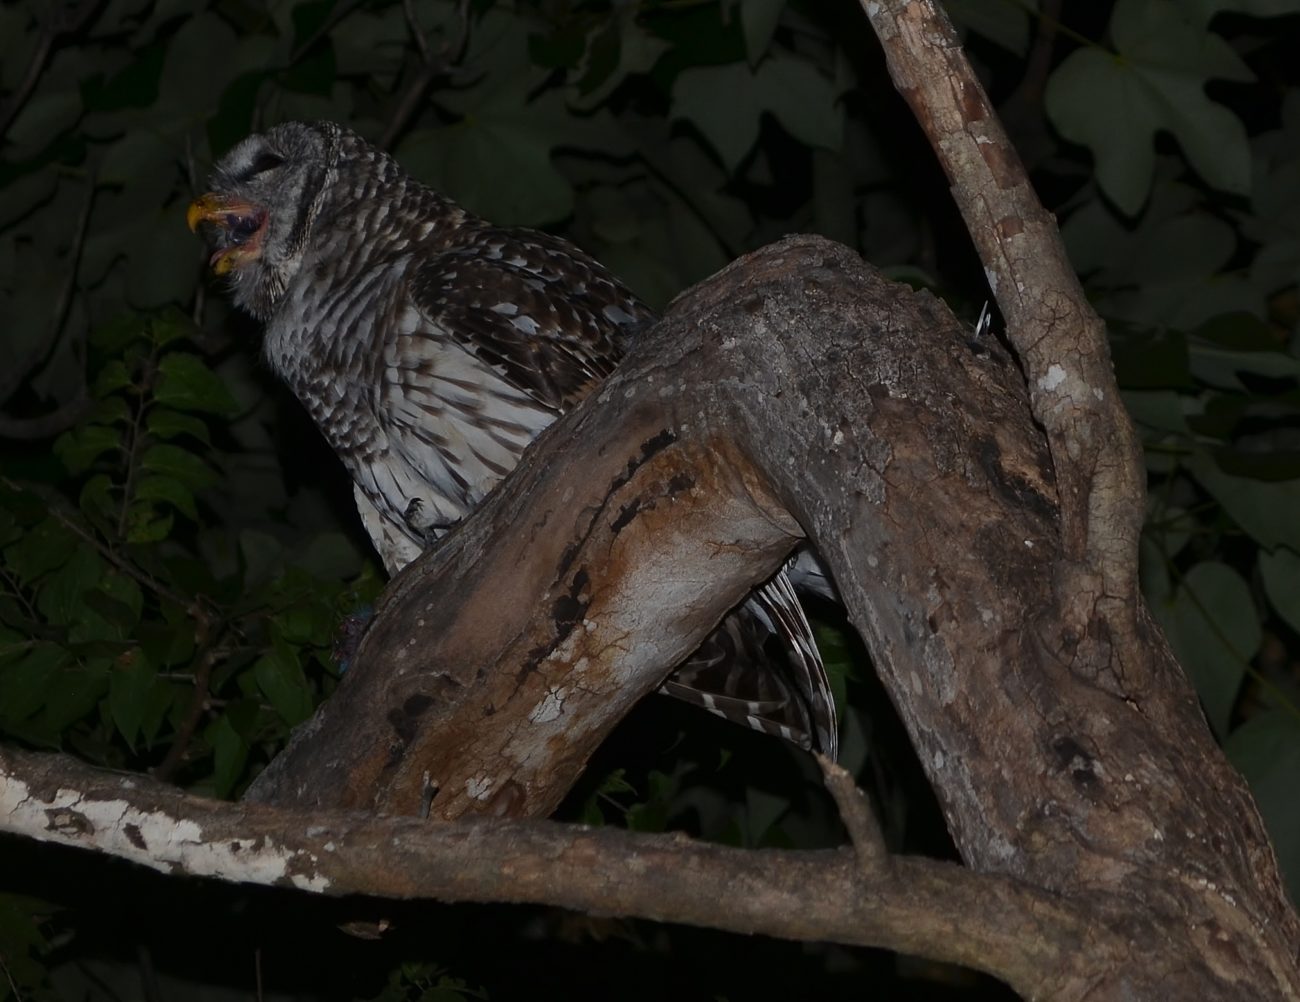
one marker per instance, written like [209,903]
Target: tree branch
[855,811]
[923,907]
[1060,340]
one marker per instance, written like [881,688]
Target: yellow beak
[243,222]
[205,208]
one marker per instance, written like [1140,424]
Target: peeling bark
[923,907]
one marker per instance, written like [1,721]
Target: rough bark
[923,907]
[908,451]
[981,522]
[498,663]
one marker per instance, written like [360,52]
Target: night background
[178,547]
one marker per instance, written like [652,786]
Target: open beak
[238,228]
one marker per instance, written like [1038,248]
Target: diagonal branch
[1060,340]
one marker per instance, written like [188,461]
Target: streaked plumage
[431,347]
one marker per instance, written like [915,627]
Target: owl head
[267,194]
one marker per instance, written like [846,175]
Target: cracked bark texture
[800,388]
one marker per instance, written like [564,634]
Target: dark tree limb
[922,907]
[1059,339]
[855,811]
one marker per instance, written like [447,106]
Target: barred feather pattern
[431,347]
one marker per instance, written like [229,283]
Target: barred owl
[431,347]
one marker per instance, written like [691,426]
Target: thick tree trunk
[799,388]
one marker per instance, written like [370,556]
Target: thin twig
[342,11]
[41,351]
[1022,111]
[408,9]
[433,65]
[72,22]
[855,812]
[107,552]
[10,978]
[133,446]
[201,289]
[24,91]
[200,700]
[410,102]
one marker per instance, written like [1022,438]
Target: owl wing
[487,340]
[509,329]
[533,308]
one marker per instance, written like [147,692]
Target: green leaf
[727,102]
[1266,511]
[306,620]
[113,376]
[1213,625]
[202,57]
[61,598]
[170,271]
[164,423]
[1280,572]
[1005,24]
[759,19]
[118,617]
[170,490]
[187,384]
[1162,410]
[25,681]
[168,644]
[179,464]
[1266,750]
[638,50]
[96,500]
[1206,9]
[229,737]
[146,524]
[1220,366]
[1115,104]
[74,694]
[48,113]
[262,554]
[507,132]
[114,336]
[130,684]
[331,556]
[110,410]
[170,325]
[43,548]
[79,448]
[282,682]
[763,810]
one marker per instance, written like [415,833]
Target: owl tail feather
[761,668]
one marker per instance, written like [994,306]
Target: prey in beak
[233,227]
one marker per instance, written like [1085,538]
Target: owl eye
[263,162]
